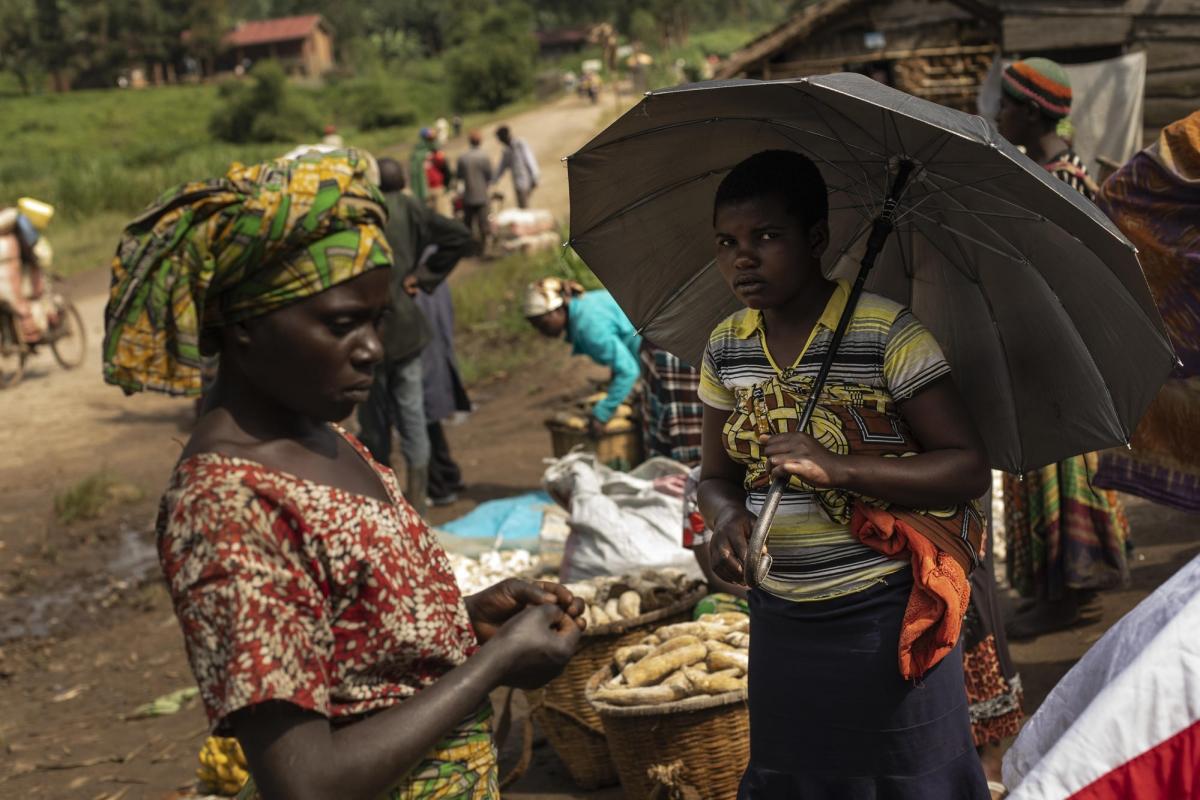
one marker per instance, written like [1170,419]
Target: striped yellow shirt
[886,353]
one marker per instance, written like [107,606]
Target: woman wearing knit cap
[321,618]
[1066,538]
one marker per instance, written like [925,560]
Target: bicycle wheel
[12,354]
[70,341]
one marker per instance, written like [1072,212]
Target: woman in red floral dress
[321,618]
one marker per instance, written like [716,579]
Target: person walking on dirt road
[321,618]
[474,172]
[518,159]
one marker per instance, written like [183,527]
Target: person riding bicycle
[25,256]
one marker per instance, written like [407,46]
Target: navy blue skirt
[830,716]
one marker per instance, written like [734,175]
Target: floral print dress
[290,590]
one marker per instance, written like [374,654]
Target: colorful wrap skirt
[830,716]
[462,766]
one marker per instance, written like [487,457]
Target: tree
[263,109]
[18,42]
[493,63]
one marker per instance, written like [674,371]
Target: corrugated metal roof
[267,31]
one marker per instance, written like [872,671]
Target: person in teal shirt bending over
[596,327]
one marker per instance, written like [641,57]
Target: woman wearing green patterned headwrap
[321,618]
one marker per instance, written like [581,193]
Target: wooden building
[303,45]
[942,49]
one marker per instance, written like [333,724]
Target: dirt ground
[87,632]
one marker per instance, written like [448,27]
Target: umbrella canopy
[1037,299]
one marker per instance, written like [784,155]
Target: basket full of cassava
[673,706]
[620,611]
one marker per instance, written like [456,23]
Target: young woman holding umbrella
[832,714]
[321,618]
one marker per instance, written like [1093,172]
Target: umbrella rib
[850,241]
[896,129]
[864,181]
[646,199]
[940,190]
[842,141]
[1091,360]
[997,214]
[1019,258]
[987,301]
[675,295]
[932,157]
[962,207]
[973,186]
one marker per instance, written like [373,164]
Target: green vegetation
[493,65]
[92,496]
[263,109]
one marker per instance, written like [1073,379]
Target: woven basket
[561,709]
[623,448]
[701,744]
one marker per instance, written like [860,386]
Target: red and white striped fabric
[1124,723]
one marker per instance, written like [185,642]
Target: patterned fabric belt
[462,766]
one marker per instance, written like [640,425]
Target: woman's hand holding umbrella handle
[801,455]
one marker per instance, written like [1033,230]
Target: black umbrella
[1036,298]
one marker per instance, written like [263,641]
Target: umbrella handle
[758,561]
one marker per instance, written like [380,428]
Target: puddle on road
[133,561]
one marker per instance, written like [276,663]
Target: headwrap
[210,253]
[1039,81]
[547,294]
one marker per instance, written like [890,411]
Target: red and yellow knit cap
[1042,82]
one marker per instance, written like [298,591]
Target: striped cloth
[1069,168]
[672,418]
[886,357]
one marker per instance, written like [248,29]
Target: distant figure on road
[429,172]
[474,171]
[519,159]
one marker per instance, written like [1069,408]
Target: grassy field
[114,150]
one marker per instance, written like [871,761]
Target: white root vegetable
[598,616]
[655,667]
[702,630]
[639,696]
[719,660]
[738,639]
[634,652]
[675,644]
[679,681]
[715,682]
[651,639]
[629,604]
[612,609]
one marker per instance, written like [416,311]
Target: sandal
[998,790]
